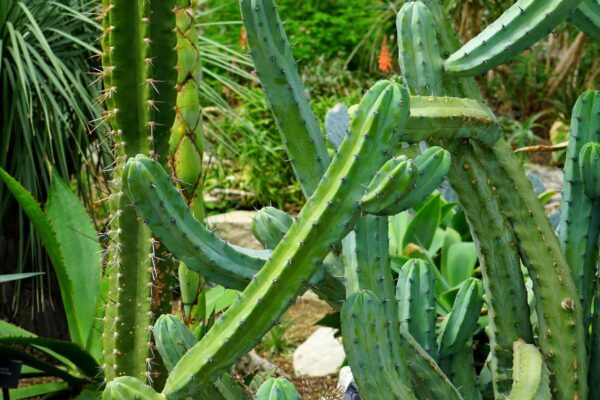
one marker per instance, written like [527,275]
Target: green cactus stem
[586,17]
[579,224]
[560,316]
[530,375]
[443,118]
[270,226]
[460,368]
[367,268]
[420,59]
[127,388]
[186,142]
[325,219]
[520,27]
[277,389]
[364,333]
[278,73]
[415,294]
[139,90]
[499,258]
[589,165]
[388,193]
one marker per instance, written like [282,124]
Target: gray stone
[235,227]
[320,355]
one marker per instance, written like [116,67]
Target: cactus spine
[138,61]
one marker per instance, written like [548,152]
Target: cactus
[364,332]
[587,18]
[399,187]
[415,293]
[185,142]
[530,375]
[382,113]
[139,90]
[278,73]
[173,339]
[521,26]
[589,164]
[270,226]
[367,269]
[277,389]
[127,388]
[579,215]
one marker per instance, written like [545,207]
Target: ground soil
[304,314]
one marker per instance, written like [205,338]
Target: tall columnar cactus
[499,258]
[325,220]
[186,142]
[139,90]
[579,213]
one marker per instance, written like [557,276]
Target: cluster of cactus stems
[338,245]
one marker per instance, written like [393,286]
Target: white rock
[320,355]
[345,378]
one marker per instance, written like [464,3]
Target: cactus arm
[460,324]
[415,294]
[325,219]
[364,326]
[589,165]
[521,26]
[270,225]
[530,375]
[127,388]
[503,281]
[560,317]
[448,43]
[367,265]
[164,210]
[278,73]
[586,17]
[443,118]
[396,194]
[277,389]
[579,222]
[460,368]
[419,49]
[367,269]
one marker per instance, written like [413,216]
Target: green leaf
[423,226]
[460,262]
[81,252]
[219,298]
[78,357]
[35,214]
[545,197]
[37,390]
[15,277]
[397,229]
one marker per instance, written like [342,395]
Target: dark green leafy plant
[47,103]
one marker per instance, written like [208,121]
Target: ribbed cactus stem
[138,66]
[186,141]
[326,218]
[499,258]
[579,225]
